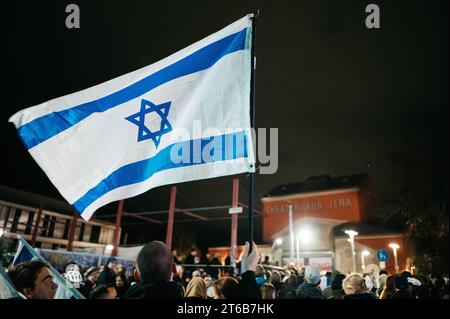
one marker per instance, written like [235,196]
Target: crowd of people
[157,276]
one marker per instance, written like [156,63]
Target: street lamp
[394,247]
[108,249]
[277,242]
[364,253]
[351,234]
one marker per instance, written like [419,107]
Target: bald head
[154,262]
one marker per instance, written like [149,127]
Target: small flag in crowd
[25,252]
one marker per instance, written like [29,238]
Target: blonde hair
[267,291]
[196,288]
[356,282]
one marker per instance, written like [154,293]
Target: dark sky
[340,94]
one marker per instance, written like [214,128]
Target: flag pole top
[255,14]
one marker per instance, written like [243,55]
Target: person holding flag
[36,279]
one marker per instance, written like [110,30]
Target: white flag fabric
[7,290]
[64,291]
[184,118]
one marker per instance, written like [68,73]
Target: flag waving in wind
[184,118]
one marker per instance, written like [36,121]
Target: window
[45,225]
[81,234]
[66,229]
[95,234]
[29,225]
[51,228]
[15,222]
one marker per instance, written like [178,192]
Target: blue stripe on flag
[231,146]
[47,126]
[23,255]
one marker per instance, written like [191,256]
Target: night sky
[341,95]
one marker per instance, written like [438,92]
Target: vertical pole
[73,227]
[36,226]
[252,124]
[5,222]
[396,261]
[291,232]
[352,244]
[173,195]
[116,236]
[234,222]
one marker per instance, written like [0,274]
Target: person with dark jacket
[155,268]
[309,289]
[91,276]
[336,287]
[247,284]
[355,288]
[122,285]
[288,292]
[108,274]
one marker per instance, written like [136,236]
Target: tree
[419,198]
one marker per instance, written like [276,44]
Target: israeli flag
[184,118]
[7,289]
[65,291]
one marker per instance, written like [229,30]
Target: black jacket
[308,291]
[86,288]
[288,292]
[248,287]
[365,295]
[154,290]
[106,277]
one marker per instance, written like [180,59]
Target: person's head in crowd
[337,282]
[111,264]
[354,284]
[196,288]
[33,279]
[154,262]
[120,280]
[312,275]
[226,288]
[383,272]
[259,271]
[292,280]
[267,291]
[390,283]
[401,282]
[101,267]
[120,268]
[406,274]
[104,292]
[92,274]
[433,276]
[207,279]
[196,273]
[276,278]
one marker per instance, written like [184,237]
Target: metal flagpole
[252,124]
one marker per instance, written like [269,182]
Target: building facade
[309,219]
[50,229]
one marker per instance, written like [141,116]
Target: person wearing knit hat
[309,288]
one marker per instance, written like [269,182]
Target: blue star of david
[138,118]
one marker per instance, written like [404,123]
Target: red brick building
[322,209]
